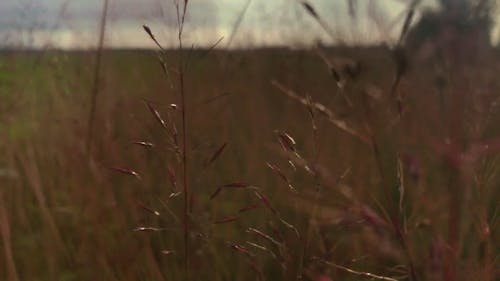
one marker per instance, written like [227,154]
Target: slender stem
[237,24]
[96,82]
[317,186]
[185,173]
[5,235]
[359,273]
[184,144]
[401,235]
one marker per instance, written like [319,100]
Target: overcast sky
[75,23]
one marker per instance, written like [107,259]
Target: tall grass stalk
[181,16]
[96,84]
[5,234]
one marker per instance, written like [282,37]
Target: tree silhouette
[458,26]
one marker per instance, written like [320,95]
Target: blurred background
[312,140]
[75,24]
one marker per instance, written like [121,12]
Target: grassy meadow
[294,171]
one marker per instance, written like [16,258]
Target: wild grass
[265,164]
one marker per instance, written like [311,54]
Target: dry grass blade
[257,270]
[33,176]
[250,208]
[5,233]
[216,154]
[184,10]
[296,160]
[291,226]
[335,74]
[250,256]
[341,124]
[286,141]
[214,45]
[314,14]
[171,177]
[238,22]
[96,85]
[355,272]
[229,185]
[152,36]
[157,115]
[148,229]
[262,248]
[310,9]
[146,208]
[401,186]
[126,171]
[264,236]
[276,231]
[341,178]
[241,249]
[401,61]
[144,144]
[215,98]
[340,82]
[206,52]
[164,67]
[216,192]
[370,217]
[174,194]
[310,110]
[226,220]
[408,20]
[167,252]
[407,24]
[400,56]
[266,202]
[270,207]
[237,185]
[280,173]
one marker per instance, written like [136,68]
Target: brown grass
[252,165]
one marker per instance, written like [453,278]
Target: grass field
[350,183]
